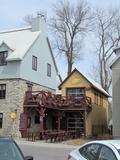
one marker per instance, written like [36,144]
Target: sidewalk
[42,143]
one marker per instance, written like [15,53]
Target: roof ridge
[90,80]
[15,29]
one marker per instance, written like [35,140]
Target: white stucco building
[115,66]
[26,63]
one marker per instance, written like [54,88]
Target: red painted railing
[47,99]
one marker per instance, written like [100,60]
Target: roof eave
[13,59]
[21,58]
[106,94]
[59,87]
[115,59]
[54,60]
[3,42]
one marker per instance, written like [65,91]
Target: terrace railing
[47,99]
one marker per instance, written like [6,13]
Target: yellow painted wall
[75,80]
[98,114]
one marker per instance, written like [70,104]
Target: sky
[12,13]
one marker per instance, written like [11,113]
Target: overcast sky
[12,13]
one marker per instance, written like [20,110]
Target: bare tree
[107,34]
[69,25]
[28,18]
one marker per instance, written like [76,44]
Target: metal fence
[99,129]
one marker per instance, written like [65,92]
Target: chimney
[39,23]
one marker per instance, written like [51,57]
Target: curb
[44,144]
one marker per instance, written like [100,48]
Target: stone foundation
[15,93]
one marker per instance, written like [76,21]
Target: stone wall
[15,93]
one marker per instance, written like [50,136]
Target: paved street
[45,151]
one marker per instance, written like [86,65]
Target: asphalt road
[46,151]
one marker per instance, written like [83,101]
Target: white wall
[41,50]
[12,69]
[116,99]
[23,69]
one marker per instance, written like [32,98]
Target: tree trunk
[69,68]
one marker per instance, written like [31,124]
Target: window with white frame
[2,91]
[3,56]
[48,70]
[96,97]
[34,63]
[76,92]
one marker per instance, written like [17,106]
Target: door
[54,122]
[75,121]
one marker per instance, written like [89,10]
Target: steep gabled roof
[4,43]
[53,60]
[92,82]
[117,56]
[114,61]
[20,40]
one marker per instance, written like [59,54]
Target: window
[49,70]
[29,87]
[106,154]
[2,91]
[96,97]
[3,56]
[34,63]
[28,122]
[76,92]
[101,100]
[1,119]
[90,151]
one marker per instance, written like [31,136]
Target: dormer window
[3,56]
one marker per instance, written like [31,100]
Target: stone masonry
[15,93]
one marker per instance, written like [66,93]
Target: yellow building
[78,85]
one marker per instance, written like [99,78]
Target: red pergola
[42,101]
